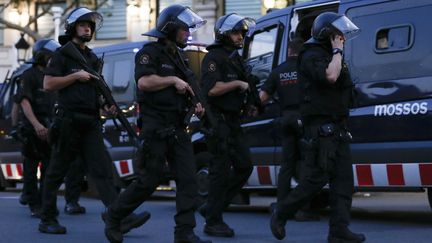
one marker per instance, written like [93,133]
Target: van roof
[119,47]
[288,9]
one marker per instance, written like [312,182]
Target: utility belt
[328,129]
[76,115]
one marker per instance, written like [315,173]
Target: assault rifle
[198,97]
[71,51]
[252,99]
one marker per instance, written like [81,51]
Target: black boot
[189,238]
[74,208]
[219,230]
[277,226]
[344,235]
[112,229]
[132,221]
[23,199]
[51,227]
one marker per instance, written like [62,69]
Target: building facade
[124,20]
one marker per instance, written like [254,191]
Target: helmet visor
[191,19]
[51,45]
[236,22]
[84,14]
[348,28]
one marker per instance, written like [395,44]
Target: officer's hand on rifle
[41,131]
[84,76]
[243,86]
[199,110]
[111,110]
[182,86]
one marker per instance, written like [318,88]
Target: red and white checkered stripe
[393,175]
[12,171]
[263,176]
[15,171]
[124,167]
[365,175]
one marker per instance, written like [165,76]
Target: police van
[391,65]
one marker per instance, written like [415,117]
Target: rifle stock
[253,98]
[71,51]
[198,98]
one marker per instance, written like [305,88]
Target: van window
[393,39]
[261,53]
[121,79]
[392,45]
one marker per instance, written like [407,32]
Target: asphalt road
[383,217]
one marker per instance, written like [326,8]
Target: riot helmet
[173,18]
[229,23]
[81,14]
[329,23]
[43,49]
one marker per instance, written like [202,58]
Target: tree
[31,27]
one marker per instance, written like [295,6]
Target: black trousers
[327,160]
[78,139]
[176,148]
[74,180]
[229,168]
[289,165]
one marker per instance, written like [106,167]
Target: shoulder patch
[144,59]
[212,66]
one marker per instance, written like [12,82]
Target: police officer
[283,81]
[163,95]
[327,94]
[76,130]
[37,107]
[225,88]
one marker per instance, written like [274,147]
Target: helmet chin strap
[85,38]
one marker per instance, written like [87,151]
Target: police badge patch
[144,59]
[212,66]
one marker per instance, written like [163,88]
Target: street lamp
[22,45]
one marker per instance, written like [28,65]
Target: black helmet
[231,22]
[173,18]
[328,23]
[43,49]
[81,14]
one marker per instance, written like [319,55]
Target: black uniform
[231,165]
[327,152]
[34,149]
[77,133]
[164,138]
[283,80]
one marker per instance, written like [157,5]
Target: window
[393,39]
[120,80]
[249,8]
[261,52]
[114,25]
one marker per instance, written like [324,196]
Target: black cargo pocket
[327,147]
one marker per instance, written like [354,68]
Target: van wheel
[429,194]
[202,162]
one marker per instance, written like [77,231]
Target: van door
[391,65]
[263,51]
